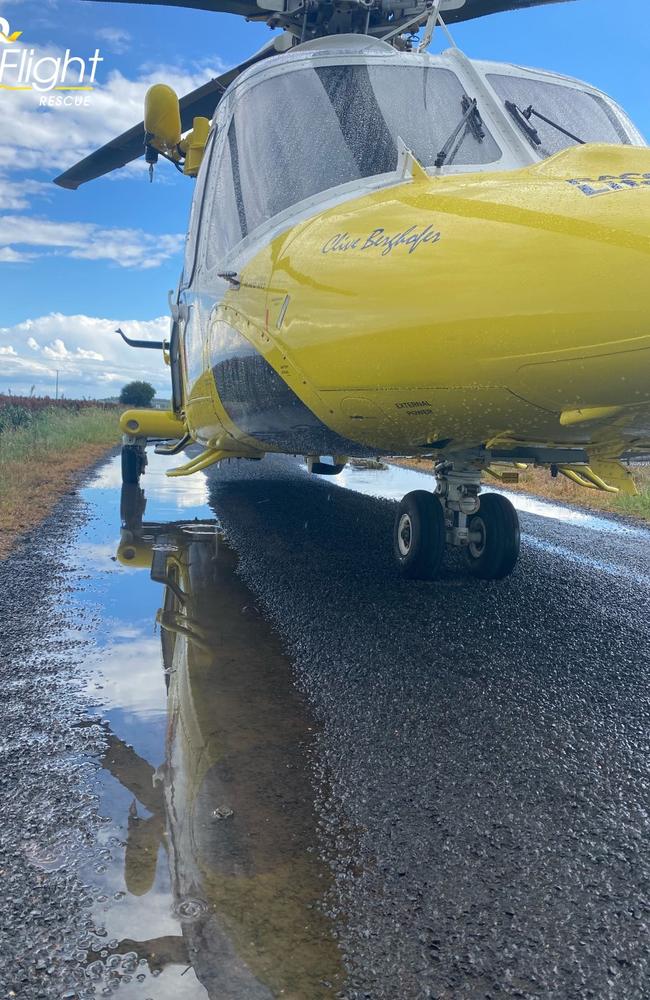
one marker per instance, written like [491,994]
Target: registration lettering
[608,183]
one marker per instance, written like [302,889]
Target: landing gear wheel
[132,506]
[419,536]
[133,463]
[493,548]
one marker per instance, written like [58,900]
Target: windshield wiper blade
[471,120]
[522,118]
[523,123]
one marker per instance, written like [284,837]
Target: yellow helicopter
[396,253]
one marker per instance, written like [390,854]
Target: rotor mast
[305,20]
[390,20]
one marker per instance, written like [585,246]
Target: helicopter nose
[588,250]
[480,280]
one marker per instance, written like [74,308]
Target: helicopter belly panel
[262,406]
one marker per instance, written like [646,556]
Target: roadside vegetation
[539,482]
[137,394]
[43,446]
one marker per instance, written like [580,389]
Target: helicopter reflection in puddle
[233,803]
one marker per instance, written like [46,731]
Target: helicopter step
[485,527]
[140,426]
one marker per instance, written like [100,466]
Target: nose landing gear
[486,528]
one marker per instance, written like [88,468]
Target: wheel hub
[404,534]
[477,533]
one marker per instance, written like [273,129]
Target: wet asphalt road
[487,744]
[481,755]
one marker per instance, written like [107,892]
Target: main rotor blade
[479,8]
[455,11]
[247,8]
[130,145]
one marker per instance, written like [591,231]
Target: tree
[137,394]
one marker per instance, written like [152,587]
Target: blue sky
[73,264]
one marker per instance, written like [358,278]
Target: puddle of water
[208,882]
[395,481]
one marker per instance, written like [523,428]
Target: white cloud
[21,369]
[49,140]
[85,240]
[15,195]
[91,355]
[91,358]
[117,39]
[10,256]
[32,134]
[56,350]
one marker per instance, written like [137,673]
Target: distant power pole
[57,385]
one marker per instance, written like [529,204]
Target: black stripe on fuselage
[261,404]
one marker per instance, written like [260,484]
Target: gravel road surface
[486,743]
[479,758]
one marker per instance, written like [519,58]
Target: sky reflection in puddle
[208,873]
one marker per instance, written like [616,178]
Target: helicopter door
[175,364]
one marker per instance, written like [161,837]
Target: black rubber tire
[132,506]
[500,550]
[419,557]
[132,463]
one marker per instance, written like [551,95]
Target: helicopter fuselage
[493,301]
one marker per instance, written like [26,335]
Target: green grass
[636,506]
[42,452]
[51,432]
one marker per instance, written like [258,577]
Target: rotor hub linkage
[458,492]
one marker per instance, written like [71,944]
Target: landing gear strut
[486,527]
[134,460]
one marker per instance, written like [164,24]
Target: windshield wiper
[522,118]
[471,120]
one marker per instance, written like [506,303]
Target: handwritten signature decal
[606,183]
[380,240]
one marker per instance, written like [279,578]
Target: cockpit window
[577,111]
[300,133]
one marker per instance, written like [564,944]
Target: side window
[584,114]
[225,223]
[196,212]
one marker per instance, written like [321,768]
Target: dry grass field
[43,447]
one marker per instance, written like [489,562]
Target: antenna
[432,21]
